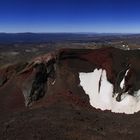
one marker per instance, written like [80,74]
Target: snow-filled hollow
[101,96]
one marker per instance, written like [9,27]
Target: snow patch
[123,81]
[102,99]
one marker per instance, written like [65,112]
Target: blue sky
[103,16]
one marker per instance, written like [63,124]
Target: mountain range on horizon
[29,37]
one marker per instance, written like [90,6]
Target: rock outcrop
[45,79]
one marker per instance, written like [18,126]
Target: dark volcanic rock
[3,80]
[58,72]
[54,106]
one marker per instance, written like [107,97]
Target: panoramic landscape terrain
[69,86]
[69,69]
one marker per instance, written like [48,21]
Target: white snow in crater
[122,82]
[102,99]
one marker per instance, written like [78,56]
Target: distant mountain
[58,37]
[39,37]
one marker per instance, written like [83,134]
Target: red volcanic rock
[46,101]
[103,59]
[58,72]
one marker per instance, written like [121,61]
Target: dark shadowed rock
[3,80]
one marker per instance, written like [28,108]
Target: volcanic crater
[72,94]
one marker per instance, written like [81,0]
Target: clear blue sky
[117,16]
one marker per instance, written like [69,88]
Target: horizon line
[69,32]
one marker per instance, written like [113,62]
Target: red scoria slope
[45,101]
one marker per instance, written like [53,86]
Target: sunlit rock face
[100,92]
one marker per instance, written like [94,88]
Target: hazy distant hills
[40,37]
[59,37]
